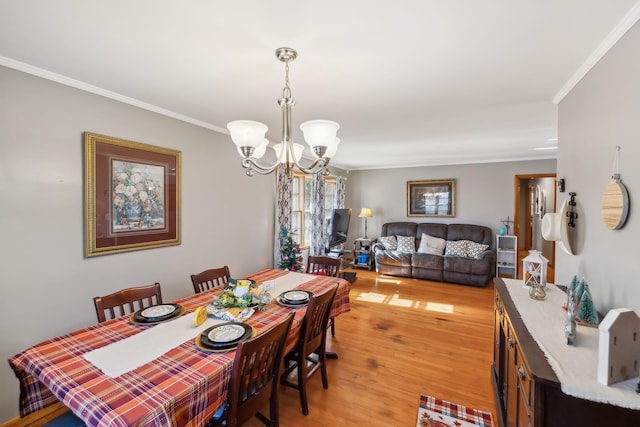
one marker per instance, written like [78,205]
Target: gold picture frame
[431,198]
[131,195]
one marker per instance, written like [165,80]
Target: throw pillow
[406,244]
[390,243]
[431,245]
[456,248]
[476,249]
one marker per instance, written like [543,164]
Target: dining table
[122,373]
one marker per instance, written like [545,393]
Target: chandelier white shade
[320,135]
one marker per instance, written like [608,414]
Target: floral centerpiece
[255,298]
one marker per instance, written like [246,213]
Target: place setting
[223,336]
[295,298]
[156,314]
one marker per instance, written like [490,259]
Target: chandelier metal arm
[246,135]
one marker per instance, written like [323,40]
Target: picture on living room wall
[431,198]
[132,195]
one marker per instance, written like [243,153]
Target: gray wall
[603,111]
[46,285]
[484,193]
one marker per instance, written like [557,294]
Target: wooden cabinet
[528,393]
[363,253]
[506,256]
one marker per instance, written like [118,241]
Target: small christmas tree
[290,258]
[586,310]
[571,289]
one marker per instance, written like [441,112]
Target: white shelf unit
[507,256]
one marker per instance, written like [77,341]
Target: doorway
[535,195]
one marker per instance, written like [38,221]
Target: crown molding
[59,78]
[612,38]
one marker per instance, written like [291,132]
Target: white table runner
[130,353]
[575,366]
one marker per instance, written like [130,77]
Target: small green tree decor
[290,258]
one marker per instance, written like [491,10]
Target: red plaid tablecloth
[183,387]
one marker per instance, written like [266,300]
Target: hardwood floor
[402,338]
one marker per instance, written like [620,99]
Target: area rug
[440,413]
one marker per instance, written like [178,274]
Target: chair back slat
[127,301]
[210,279]
[323,265]
[254,377]
[314,328]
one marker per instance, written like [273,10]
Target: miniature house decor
[534,267]
[619,346]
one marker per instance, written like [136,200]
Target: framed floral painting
[431,198]
[132,195]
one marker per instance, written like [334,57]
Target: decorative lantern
[534,267]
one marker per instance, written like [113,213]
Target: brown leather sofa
[474,271]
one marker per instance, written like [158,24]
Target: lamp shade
[320,133]
[331,151]
[281,154]
[365,213]
[247,133]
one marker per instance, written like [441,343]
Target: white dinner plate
[295,296]
[158,311]
[226,333]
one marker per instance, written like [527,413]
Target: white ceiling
[411,82]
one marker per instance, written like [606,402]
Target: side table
[363,253]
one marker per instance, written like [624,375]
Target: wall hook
[572,214]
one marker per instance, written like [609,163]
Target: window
[301,206]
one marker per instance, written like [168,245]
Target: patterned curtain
[317,215]
[284,185]
[340,189]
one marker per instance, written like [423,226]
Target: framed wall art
[431,198]
[131,195]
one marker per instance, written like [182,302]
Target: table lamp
[365,213]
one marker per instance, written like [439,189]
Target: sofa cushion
[389,242]
[406,244]
[476,233]
[430,261]
[399,229]
[394,258]
[456,248]
[467,265]
[431,245]
[475,250]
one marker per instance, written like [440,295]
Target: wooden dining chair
[210,279]
[325,266]
[127,301]
[309,354]
[254,379]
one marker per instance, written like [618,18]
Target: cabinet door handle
[521,373]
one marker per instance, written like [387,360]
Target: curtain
[284,187]
[340,190]
[317,215]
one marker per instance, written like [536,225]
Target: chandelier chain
[286,92]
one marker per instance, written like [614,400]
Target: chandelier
[320,135]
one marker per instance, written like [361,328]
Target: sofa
[455,253]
